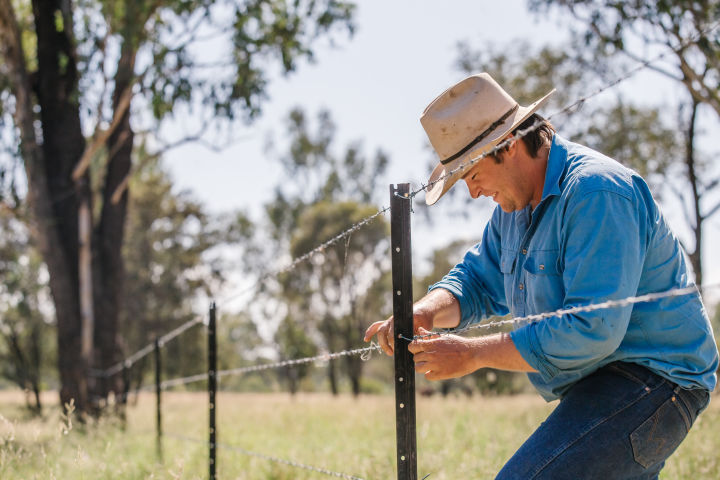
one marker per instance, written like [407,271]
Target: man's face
[503,181]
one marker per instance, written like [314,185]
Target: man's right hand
[385,331]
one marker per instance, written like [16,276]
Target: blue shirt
[596,235]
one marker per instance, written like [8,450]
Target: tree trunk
[697,224]
[109,273]
[63,144]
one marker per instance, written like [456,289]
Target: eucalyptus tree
[81,80]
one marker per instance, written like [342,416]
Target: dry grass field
[458,438]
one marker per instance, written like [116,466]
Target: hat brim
[443,177]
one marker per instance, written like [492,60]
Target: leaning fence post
[158,398]
[403,315]
[212,385]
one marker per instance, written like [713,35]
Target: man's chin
[507,208]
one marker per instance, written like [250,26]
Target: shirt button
[524,251]
[521,286]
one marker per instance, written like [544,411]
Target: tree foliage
[335,293]
[26,349]
[81,81]
[687,36]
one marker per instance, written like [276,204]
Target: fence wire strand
[271,458]
[364,353]
[623,302]
[147,349]
[320,248]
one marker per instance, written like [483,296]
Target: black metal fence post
[212,386]
[158,399]
[403,315]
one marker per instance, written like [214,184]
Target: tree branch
[712,211]
[101,136]
[195,138]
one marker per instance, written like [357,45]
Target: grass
[457,438]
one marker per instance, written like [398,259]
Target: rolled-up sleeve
[602,253]
[477,281]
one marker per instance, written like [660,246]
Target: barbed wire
[271,458]
[623,302]
[147,349]
[292,265]
[364,352]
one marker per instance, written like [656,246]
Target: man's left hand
[441,357]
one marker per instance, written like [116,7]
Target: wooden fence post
[158,399]
[212,386]
[403,315]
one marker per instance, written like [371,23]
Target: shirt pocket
[507,267]
[543,263]
[545,290]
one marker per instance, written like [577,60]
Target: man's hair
[541,134]
[538,137]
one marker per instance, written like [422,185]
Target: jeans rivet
[647,389]
[673,398]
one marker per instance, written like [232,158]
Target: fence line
[291,266]
[365,352]
[147,349]
[268,457]
[623,302]
[182,328]
[324,357]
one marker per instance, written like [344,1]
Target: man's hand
[385,330]
[442,357]
[439,308]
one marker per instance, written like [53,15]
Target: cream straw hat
[465,121]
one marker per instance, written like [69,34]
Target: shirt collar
[555,167]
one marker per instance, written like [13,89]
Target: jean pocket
[658,436]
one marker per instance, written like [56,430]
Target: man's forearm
[441,307]
[498,351]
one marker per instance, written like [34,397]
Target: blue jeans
[621,422]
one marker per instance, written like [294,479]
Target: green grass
[457,438]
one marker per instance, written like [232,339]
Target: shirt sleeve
[602,252]
[477,281]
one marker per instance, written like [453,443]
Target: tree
[120,69]
[686,32]
[336,292]
[346,286]
[169,262]
[294,341]
[24,330]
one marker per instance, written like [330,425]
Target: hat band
[479,138]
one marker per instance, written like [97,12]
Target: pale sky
[375,85]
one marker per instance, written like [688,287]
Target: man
[573,228]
